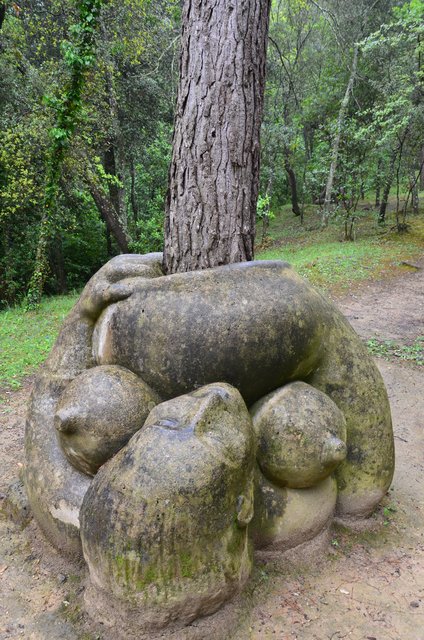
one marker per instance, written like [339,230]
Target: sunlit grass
[27,337]
[330,263]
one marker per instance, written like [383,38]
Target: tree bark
[387,187]
[134,203]
[292,183]
[422,172]
[214,172]
[116,192]
[336,142]
[110,217]
[58,264]
[2,13]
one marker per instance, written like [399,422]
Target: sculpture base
[127,623]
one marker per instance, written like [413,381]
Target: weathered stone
[55,489]
[257,326]
[246,324]
[164,523]
[98,413]
[301,435]
[285,518]
[15,504]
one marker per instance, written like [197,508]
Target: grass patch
[332,264]
[27,337]
[391,350]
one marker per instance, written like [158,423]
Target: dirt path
[370,586]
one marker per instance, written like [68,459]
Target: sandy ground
[368,586]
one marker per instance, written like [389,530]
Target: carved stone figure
[164,522]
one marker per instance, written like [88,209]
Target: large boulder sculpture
[149,388]
[164,523]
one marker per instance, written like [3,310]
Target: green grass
[332,264]
[27,337]
[391,350]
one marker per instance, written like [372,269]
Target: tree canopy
[87,100]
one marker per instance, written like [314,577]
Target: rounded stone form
[55,489]
[245,324]
[164,523]
[98,413]
[285,518]
[272,331]
[301,435]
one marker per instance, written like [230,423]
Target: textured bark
[58,263]
[116,192]
[2,13]
[110,217]
[292,183]
[134,204]
[214,173]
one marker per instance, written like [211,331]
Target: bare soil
[369,585]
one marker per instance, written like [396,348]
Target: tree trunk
[336,142]
[390,175]
[58,264]
[378,183]
[385,198]
[134,203]
[214,172]
[2,13]
[110,217]
[292,183]
[422,172]
[116,192]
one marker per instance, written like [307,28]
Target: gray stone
[301,435]
[55,489]
[15,504]
[285,518]
[164,523]
[257,326]
[98,413]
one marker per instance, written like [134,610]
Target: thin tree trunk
[390,175]
[292,183]
[113,155]
[387,187]
[214,172]
[337,138]
[2,13]
[134,203]
[378,183]
[58,263]
[116,192]
[110,217]
[422,172]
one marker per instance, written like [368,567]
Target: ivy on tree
[79,56]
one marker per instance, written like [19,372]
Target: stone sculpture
[149,388]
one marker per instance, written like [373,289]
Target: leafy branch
[79,55]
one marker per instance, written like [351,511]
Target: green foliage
[392,350]
[27,337]
[151,185]
[79,56]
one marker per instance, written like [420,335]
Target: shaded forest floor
[370,584]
